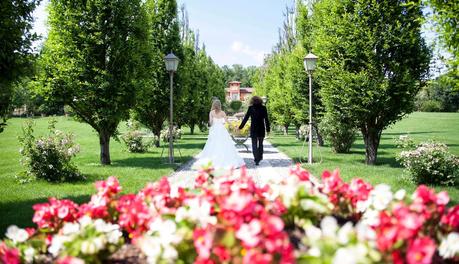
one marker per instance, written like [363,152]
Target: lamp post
[171,66]
[310,65]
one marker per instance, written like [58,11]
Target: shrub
[341,135]
[431,163]
[430,106]
[135,139]
[405,142]
[235,105]
[48,158]
[176,132]
[303,132]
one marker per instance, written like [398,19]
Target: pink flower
[302,174]
[109,187]
[222,253]
[420,251]
[70,260]
[248,233]
[255,257]
[134,214]
[9,255]
[451,219]
[51,215]
[202,242]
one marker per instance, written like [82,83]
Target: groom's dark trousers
[257,148]
[259,124]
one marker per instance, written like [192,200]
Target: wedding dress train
[219,148]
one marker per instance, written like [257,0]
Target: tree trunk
[320,139]
[192,129]
[285,130]
[371,137]
[104,141]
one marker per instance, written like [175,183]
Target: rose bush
[431,163]
[49,157]
[230,219]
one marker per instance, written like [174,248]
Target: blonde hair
[216,105]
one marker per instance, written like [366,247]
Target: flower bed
[230,219]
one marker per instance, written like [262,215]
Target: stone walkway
[274,166]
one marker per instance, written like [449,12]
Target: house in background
[236,92]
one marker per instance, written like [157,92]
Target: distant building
[236,92]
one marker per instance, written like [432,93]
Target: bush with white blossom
[228,218]
[49,157]
[431,163]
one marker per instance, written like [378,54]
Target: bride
[219,148]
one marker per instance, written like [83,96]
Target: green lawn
[442,127]
[133,170]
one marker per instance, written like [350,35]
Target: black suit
[259,123]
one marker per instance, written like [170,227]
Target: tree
[373,61]
[93,61]
[445,16]
[152,108]
[15,47]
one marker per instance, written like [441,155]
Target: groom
[259,118]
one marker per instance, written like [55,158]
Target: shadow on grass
[411,133]
[150,162]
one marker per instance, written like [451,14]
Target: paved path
[274,166]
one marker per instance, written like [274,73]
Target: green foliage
[15,47]
[235,105]
[93,61]
[430,106]
[341,135]
[431,163]
[48,158]
[446,22]
[439,95]
[152,107]
[372,59]
[237,72]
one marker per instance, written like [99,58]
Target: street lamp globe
[310,62]
[264,99]
[171,62]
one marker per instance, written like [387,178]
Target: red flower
[109,187]
[222,253]
[301,173]
[202,242]
[9,255]
[420,251]
[451,219]
[51,215]
[255,257]
[70,260]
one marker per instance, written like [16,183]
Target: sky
[233,31]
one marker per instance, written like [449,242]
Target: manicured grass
[133,170]
[442,127]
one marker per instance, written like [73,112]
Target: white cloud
[242,48]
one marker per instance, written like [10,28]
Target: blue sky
[234,31]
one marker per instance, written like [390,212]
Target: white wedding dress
[219,148]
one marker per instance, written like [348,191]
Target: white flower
[370,217]
[29,254]
[199,211]
[99,243]
[308,204]
[166,230]
[70,228]
[351,255]
[449,247]
[57,243]
[329,226]
[114,236]
[400,194]
[151,247]
[344,233]
[381,196]
[314,251]
[313,233]
[88,247]
[16,234]
[85,221]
